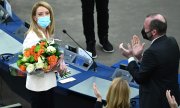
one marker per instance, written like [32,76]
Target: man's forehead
[147,21]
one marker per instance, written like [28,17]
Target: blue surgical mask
[44,21]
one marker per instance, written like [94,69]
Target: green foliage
[37,48]
[19,62]
[31,59]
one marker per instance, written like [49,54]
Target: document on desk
[70,79]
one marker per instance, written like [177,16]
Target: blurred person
[157,70]
[117,96]
[102,25]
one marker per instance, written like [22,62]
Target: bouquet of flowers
[44,56]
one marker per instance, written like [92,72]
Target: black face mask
[145,34]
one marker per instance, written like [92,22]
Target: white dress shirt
[34,82]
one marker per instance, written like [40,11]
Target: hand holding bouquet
[42,56]
[63,72]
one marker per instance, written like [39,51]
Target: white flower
[39,65]
[51,49]
[30,68]
[24,59]
[51,41]
[41,59]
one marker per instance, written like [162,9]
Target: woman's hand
[97,93]
[171,99]
[62,66]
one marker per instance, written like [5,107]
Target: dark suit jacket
[98,105]
[157,73]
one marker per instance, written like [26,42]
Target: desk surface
[84,81]
[85,87]
[8,44]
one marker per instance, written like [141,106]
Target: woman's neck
[45,32]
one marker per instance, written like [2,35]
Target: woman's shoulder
[31,33]
[30,39]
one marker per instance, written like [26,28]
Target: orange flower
[52,60]
[22,68]
[36,56]
[41,51]
[27,53]
[32,49]
[42,44]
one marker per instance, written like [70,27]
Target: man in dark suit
[158,68]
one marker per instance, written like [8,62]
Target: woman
[41,27]
[117,96]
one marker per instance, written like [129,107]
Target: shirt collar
[156,39]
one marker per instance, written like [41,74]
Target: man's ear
[154,32]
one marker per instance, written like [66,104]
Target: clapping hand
[97,93]
[126,52]
[135,49]
[171,99]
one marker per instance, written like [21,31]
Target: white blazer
[34,82]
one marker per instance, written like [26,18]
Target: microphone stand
[94,63]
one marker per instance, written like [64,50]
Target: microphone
[4,16]
[94,63]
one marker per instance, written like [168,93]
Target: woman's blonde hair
[34,26]
[118,94]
